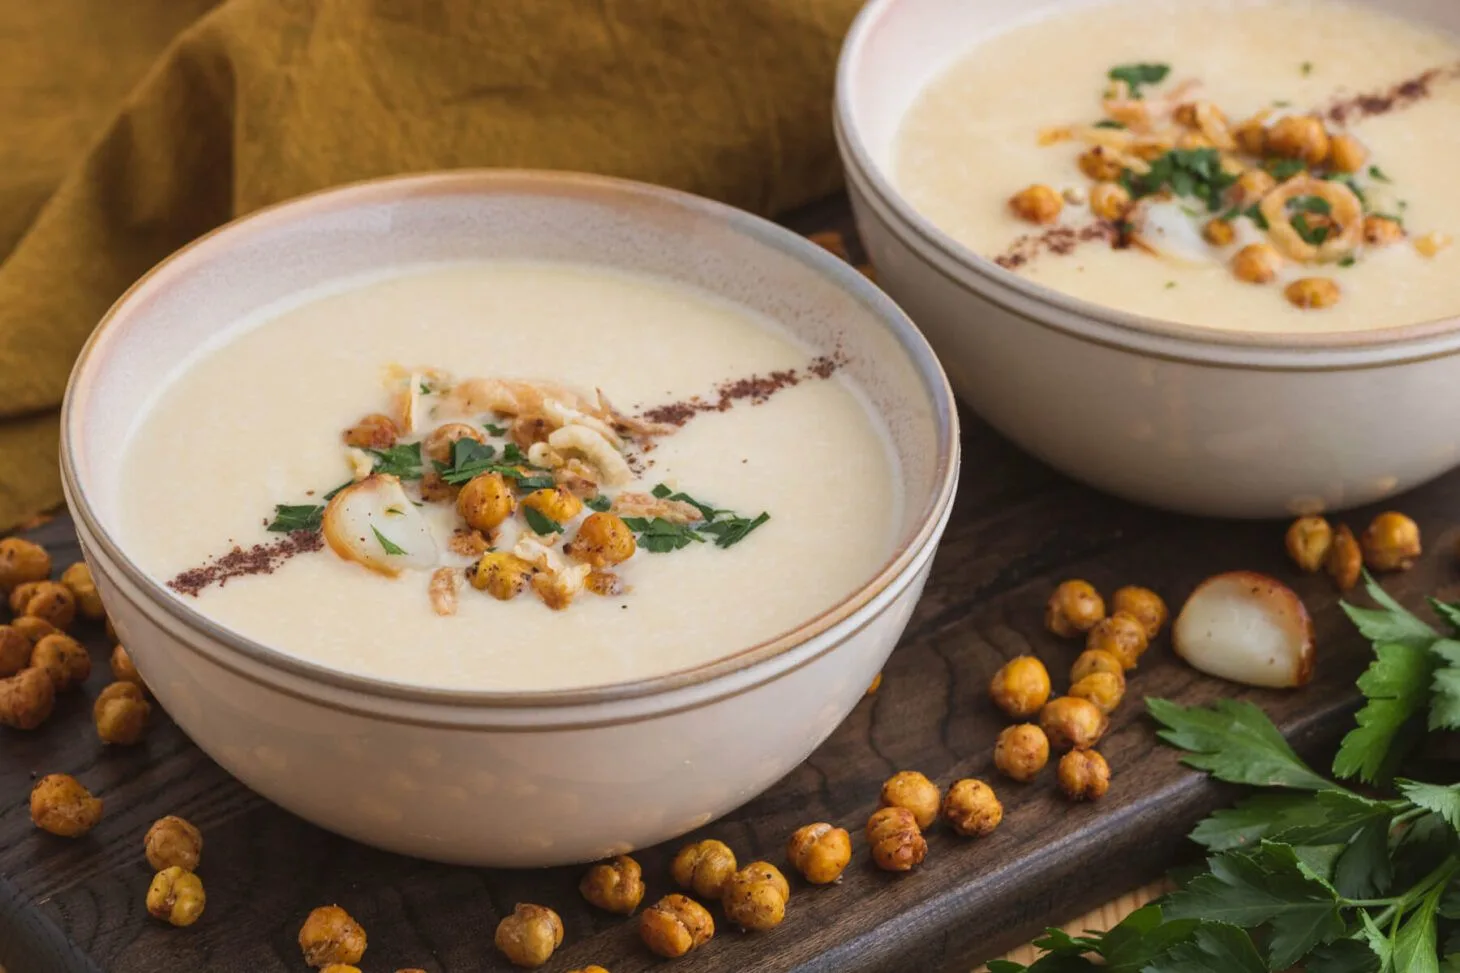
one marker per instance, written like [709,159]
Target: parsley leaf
[494,430]
[1234,741]
[1415,946]
[1314,234]
[1378,175]
[1283,169]
[1143,936]
[1343,956]
[1138,75]
[1109,123]
[659,536]
[599,503]
[1213,946]
[540,522]
[1258,817]
[402,460]
[470,459]
[1194,173]
[1444,801]
[291,517]
[1397,686]
[386,544]
[1390,622]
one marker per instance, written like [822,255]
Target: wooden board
[1017,529]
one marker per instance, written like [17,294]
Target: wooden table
[1017,529]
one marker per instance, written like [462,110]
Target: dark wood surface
[1017,529]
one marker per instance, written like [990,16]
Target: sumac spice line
[241,562]
[1346,111]
[756,389]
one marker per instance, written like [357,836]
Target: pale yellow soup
[257,421]
[972,139]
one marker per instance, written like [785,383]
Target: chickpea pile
[1390,543]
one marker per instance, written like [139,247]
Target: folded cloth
[132,127]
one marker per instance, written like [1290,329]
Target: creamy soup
[1130,154]
[429,449]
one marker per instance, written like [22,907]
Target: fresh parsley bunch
[1313,873]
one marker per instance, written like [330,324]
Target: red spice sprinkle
[237,563]
[1058,240]
[1401,95]
[755,388]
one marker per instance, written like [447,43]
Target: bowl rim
[899,565]
[1396,341]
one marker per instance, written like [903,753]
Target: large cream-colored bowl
[520,779]
[1203,421]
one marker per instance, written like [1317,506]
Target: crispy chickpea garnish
[1254,184]
[64,659]
[60,805]
[22,561]
[15,651]
[1123,635]
[51,601]
[755,897]
[341,968]
[675,925]
[555,503]
[1299,137]
[1092,661]
[529,935]
[1312,293]
[437,444]
[1021,687]
[485,502]
[1072,723]
[1109,201]
[1021,752]
[374,431]
[1391,542]
[1100,164]
[77,577]
[120,713]
[1074,607]
[875,685]
[1308,541]
[1218,232]
[895,840]
[1084,775]
[590,968]
[614,886]
[1432,243]
[819,852]
[704,867]
[605,583]
[173,842]
[1037,204]
[1344,560]
[34,628]
[1381,231]
[1251,135]
[502,575]
[1144,604]
[603,540]
[20,595]
[912,790]
[330,935]
[176,896]
[972,808]
[1346,153]
[1257,263]
[1104,689]
[123,670]
[27,699]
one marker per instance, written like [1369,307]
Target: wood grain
[1016,530]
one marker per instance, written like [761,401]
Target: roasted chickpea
[590,968]
[529,935]
[915,792]
[60,805]
[755,897]
[1072,723]
[1254,184]
[502,575]
[1084,775]
[34,628]
[1299,137]
[15,651]
[1257,263]
[120,713]
[875,685]
[122,668]
[27,699]
[1109,201]
[485,502]
[1313,293]
[21,594]
[603,540]
[614,886]
[1021,752]
[704,867]
[176,896]
[675,925]
[1308,540]
[330,935]
[1104,689]
[1074,607]
[64,659]
[555,503]
[374,431]
[1346,153]
[78,578]
[1218,232]
[172,842]
[439,441]
[1391,542]
[605,583]
[1344,560]
[1251,135]
[52,602]
[340,968]
[1100,164]
[895,840]
[1020,687]
[1432,243]
[1380,231]
[972,808]
[1144,604]
[22,561]
[1095,660]
[1037,204]
[819,852]
[1123,635]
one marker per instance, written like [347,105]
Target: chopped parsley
[599,503]
[1310,204]
[386,545]
[1306,67]
[470,459]
[331,494]
[1254,213]
[732,530]
[659,536]
[1348,261]
[493,429]
[1109,123]
[291,517]
[1170,284]
[1194,173]
[395,511]
[1378,174]
[1311,233]
[708,512]
[540,522]
[1137,75]
[402,461]
[1283,169]
[426,388]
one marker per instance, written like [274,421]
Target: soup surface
[1170,102]
[725,416]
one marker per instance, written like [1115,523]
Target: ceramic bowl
[525,778]
[1201,421]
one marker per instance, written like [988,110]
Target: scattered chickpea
[52,602]
[1037,204]
[895,840]
[22,561]
[1142,603]
[1344,560]
[64,659]
[1123,635]
[330,935]
[972,808]
[1074,607]
[614,886]
[876,685]
[819,852]
[123,670]
[120,713]
[555,503]
[1092,661]
[1100,164]
[20,595]
[1021,687]
[1299,137]
[675,925]
[1346,153]
[1391,542]
[14,651]
[485,502]
[1380,231]
[1313,293]
[1021,752]
[173,842]
[603,540]
[1257,263]
[374,431]
[340,968]
[1218,232]
[1251,136]
[912,790]
[176,896]
[1072,723]
[439,441]
[605,583]
[1432,243]
[1104,689]
[1308,541]
[1109,201]
[60,805]
[755,897]
[1084,775]
[704,867]
[1254,184]
[27,699]
[590,968]
[78,578]
[34,628]
[529,935]
[502,575]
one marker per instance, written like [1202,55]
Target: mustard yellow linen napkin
[128,127]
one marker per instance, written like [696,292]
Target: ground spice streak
[753,388]
[241,562]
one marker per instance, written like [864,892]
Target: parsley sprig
[1195,173]
[1136,76]
[289,517]
[727,528]
[470,459]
